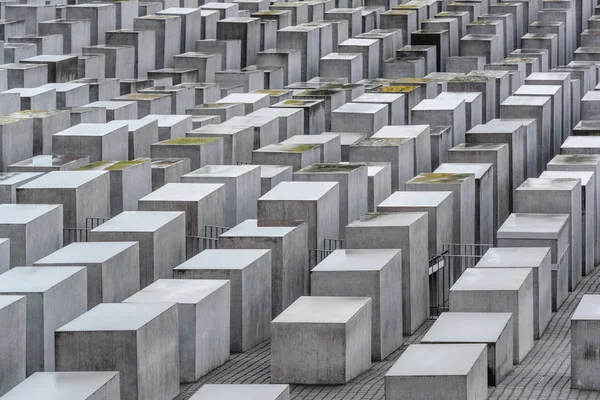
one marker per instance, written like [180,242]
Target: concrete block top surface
[581,142]
[341,56]
[360,108]
[287,148]
[381,141]
[239,20]
[60,385]
[402,131]
[436,360]
[63,180]
[297,103]
[110,104]
[440,178]
[588,124]
[593,95]
[20,66]
[116,317]
[11,178]
[208,13]
[588,308]
[100,5]
[467,327]
[299,191]
[269,171]
[183,192]
[324,310]
[349,138]
[387,219]
[28,92]
[250,228]
[583,176]
[534,226]
[178,11]
[377,98]
[583,159]
[438,104]
[459,96]
[477,169]
[243,98]
[357,260]
[227,171]
[24,213]
[330,169]
[7,300]
[478,37]
[538,90]
[35,279]
[181,291]
[49,58]
[373,170]
[242,391]
[525,101]
[49,161]
[92,129]
[494,128]
[312,139]
[491,279]
[86,252]
[479,146]
[165,162]
[539,184]
[66,86]
[112,165]
[223,129]
[415,199]
[138,221]
[36,113]
[548,76]
[517,257]
[223,259]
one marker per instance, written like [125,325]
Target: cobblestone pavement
[543,375]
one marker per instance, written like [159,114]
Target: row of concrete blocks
[496,311]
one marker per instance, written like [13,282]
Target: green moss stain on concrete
[440,178]
[330,168]
[301,148]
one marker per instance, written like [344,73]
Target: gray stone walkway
[543,375]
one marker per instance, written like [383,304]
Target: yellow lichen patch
[32,113]
[396,89]
[272,92]
[121,165]
[299,103]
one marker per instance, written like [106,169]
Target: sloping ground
[543,375]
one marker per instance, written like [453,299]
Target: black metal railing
[91,223]
[315,256]
[445,268]
[196,244]
[71,235]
